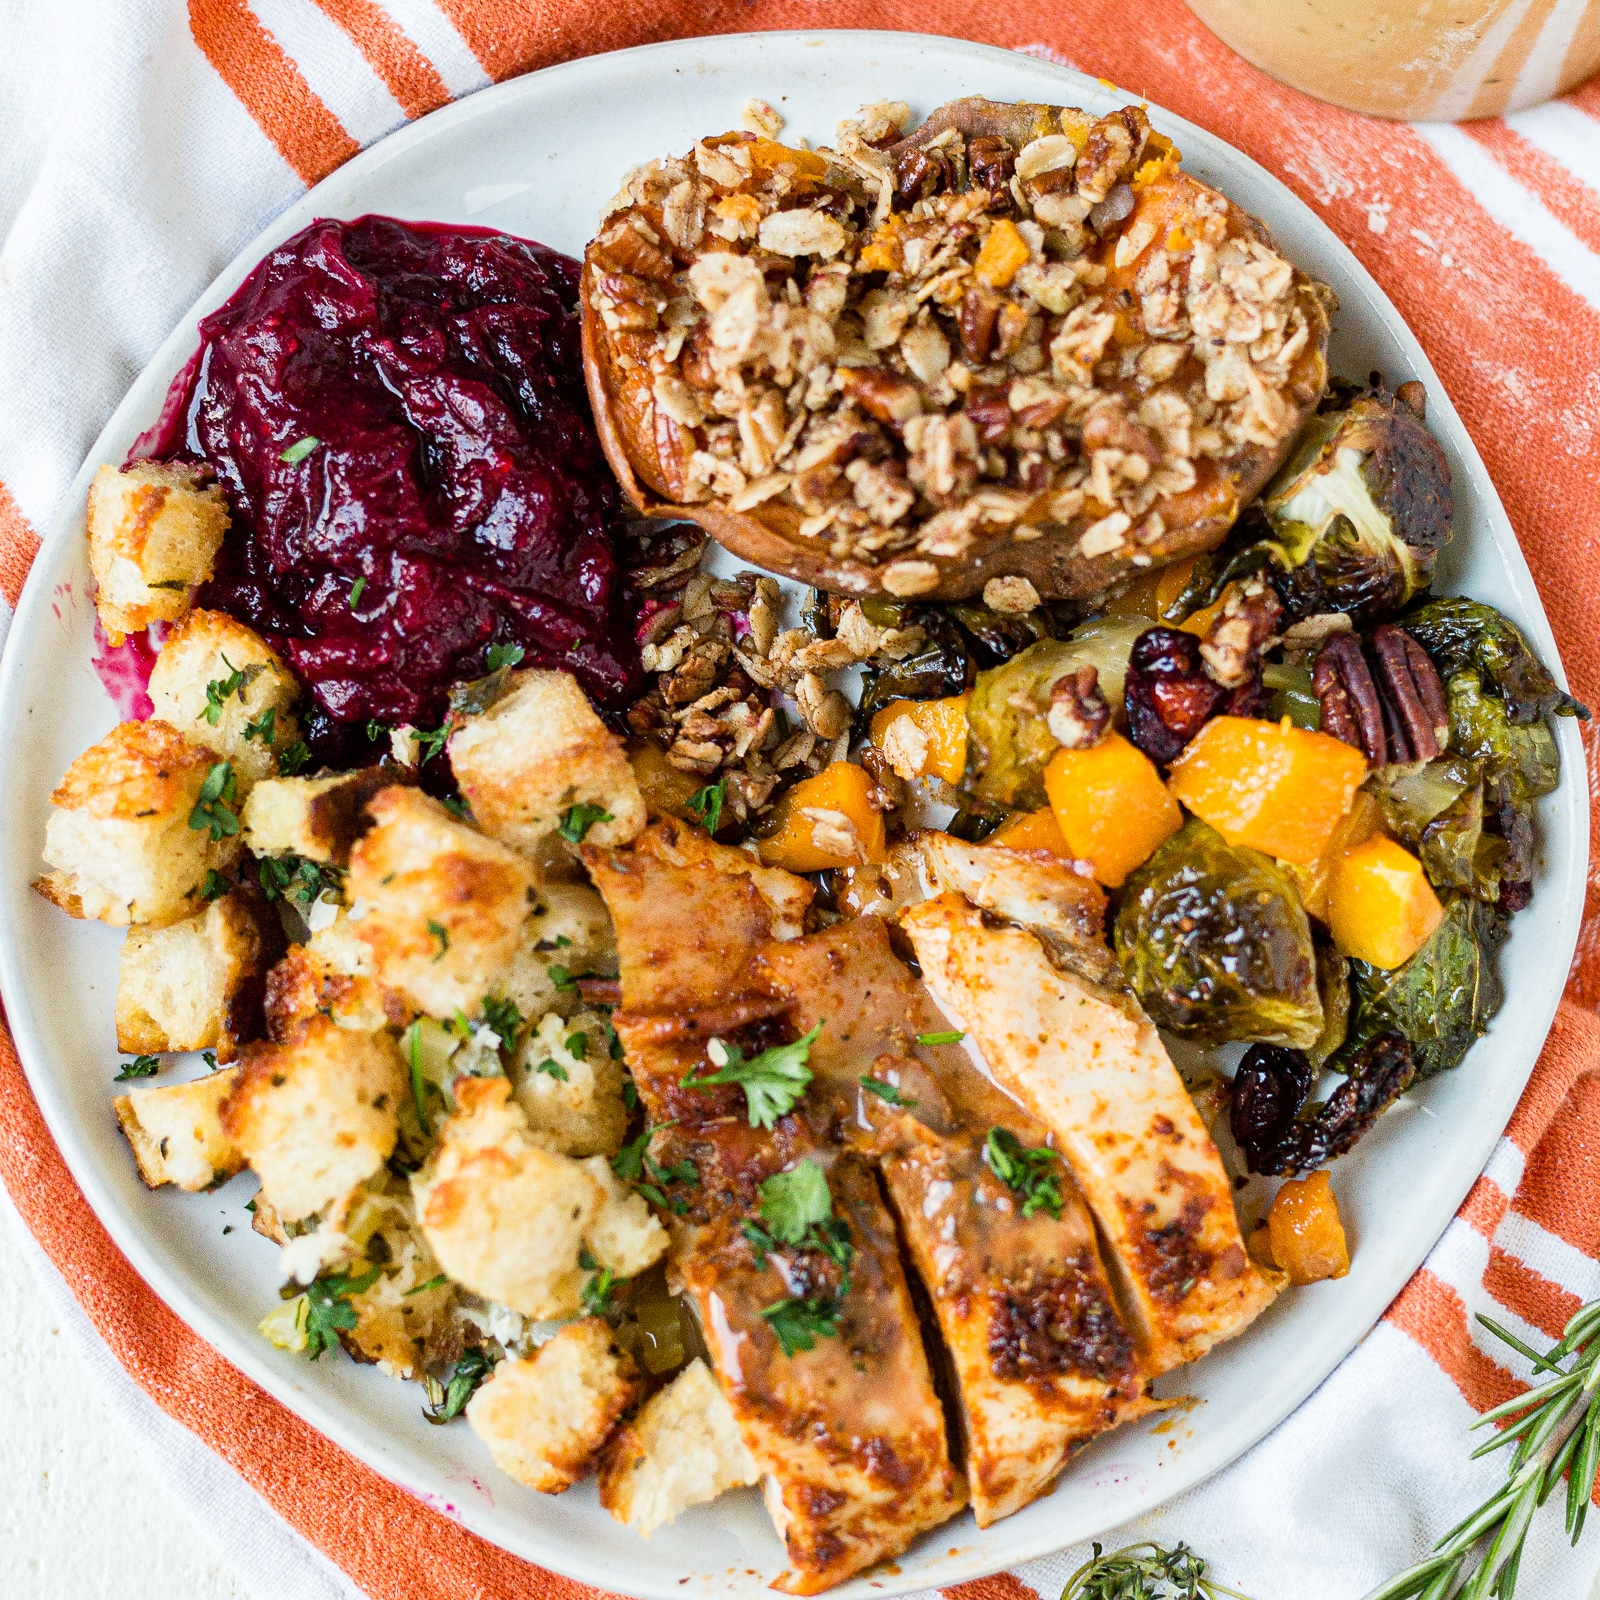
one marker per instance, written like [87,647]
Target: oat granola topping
[1019,344]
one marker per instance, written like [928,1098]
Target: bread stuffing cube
[682,1449]
[195,984]
[538,752]
[221,683]
[402,1325]
[330,973]
[317,1115]
[568,936]
[546,1418]
[441,907]
[318,818]
[136,829]
[176,1132]
[154,531]
[505,1216]
[568,1084]
[625,1236]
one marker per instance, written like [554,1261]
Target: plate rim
[324,1413]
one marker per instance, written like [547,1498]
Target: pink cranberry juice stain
[397,415]
[124,672]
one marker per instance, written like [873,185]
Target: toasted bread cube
[154,531]
[625,1237]
[443,907]
[682,1449]
[317,1115]
[569,1086]
[331,973]
[545,1419]
[506,1217]
[401,1325]
[198,662]
[191,984]
[176,1132]
[570,930]
[318,818]
[537,752]
[121,836]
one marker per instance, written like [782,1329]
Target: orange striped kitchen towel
[178,136]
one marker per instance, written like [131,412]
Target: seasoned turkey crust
[1018,342]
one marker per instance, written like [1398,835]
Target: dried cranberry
[1271,1085]
[1168,696]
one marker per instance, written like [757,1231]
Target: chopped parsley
[797,1210]
[1030,1173]
[577,820]
[220,690]
[376,731]
[422,1288]
[707,804]
[504,1017]
[633,1164]
[472,1366]
[210,1059]
[419,1084]
[216,885]
[458,806]
[505,655]
[887,1092]
[438,931]
[357,589]
[773,1080]
[429,744]
[213,810]
[597,1287]
[474,698]
[294,758]
[800,1323]
[263,729]
[293,877]
[793,1202]
[298,451]
[578,1045]
[948,1036]
[553,1068]
[139,1067]
[328,1309]
[560,977]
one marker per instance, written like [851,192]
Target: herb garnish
[800,1323]
[797,1210]
[553,1068]
[438,931]
[1145,1571]
[707,804]
[597,1288]
[429,744]
[948,1036]
[773,1080]
[298,451]
[215,886]
[577,820]
[263,729]
[214,808]
[357,589]
[1031,1173]
[220,690]
[139,1067]
[432,1283]
[328,1308]
[503,1016]
[474,698]
[296,756]
[472,1366]
[887,1092]
[419,1084]
[293,877]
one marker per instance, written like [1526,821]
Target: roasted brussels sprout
[1008,739]
[1481,729]
[1463,635]
[997,636]
[1360,511]
[1272,1085]
[1439,810]
[1290,694]
[941,667]
[1216,944]
[1440,1000]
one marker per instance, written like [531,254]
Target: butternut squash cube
[1381,907]
[1111,806]
[924,738]
[1268,785]
[1032,830]
[826,822]
[1305,1231]
[1004,254]
[1361,822]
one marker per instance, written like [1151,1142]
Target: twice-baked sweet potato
[1020,342]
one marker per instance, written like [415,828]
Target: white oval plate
[538,157]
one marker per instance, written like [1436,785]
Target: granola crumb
[760,116]
[1013,595]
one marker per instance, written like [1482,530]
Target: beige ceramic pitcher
[1418,60]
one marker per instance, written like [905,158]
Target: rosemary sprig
[1555,1431]
[1145,1571]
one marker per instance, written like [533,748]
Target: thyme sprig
[1553,1431]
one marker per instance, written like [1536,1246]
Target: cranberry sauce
[396,413]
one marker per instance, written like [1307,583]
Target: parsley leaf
[504,1017]
[214,809]
[628,1162]
[472,1366]
[800,1323]
[577,820]
[295,877]
[773,1080]
[554,1068]
[422,1288]
[298,451]
[793,1202]
[295,758]
[210,1059]
[139,1067]
[560,977]
[505,655]
[216,885]
[456,804]
[707,804]
[419,1084]
[887,1092]
[597,1288]
[328,1308]
[437,930]
[220,690]
[1030,1173]
[357,589]
[578,1045]
[431,743]
[474,698]
[948,1036]
[376,731]
[264,727]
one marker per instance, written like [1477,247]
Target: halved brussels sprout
[1481,730]
[1463,635]
[1008,740]
[1441,1000]
[1360,511]
[1216,944]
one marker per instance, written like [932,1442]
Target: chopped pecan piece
[1248,622]
[1078,715]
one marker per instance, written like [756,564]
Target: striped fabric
[138,162]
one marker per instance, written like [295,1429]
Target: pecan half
[1078,715]
[992,161]
[1413,692]
[1168,695]
[1351,709]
